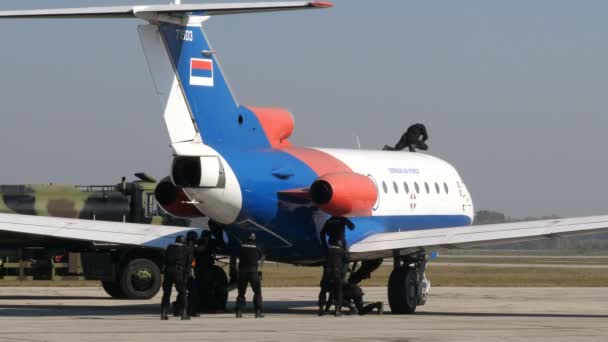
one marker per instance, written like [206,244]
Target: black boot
[321,310]
[176,309]
[259,314]
[338,312]
[239,313]
[163,314]
[185,317]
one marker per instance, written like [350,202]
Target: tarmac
[451,314]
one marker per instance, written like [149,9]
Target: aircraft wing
[136,11]
[382,244]
[146,235]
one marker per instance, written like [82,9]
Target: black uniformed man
[414,138]
[217,232]
[249,257]
[193,290]
[333,276]
[352,292]
[178,261]
[206,256]
[334,228]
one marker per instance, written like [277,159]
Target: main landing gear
[407,284]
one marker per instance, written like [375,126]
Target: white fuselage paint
[400,173]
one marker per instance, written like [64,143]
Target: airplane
[235,165]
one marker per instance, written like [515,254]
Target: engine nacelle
[198,172]
[344,194]
[174,201]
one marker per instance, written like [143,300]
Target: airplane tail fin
[197,101]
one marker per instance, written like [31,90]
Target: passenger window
[445,187]
[426,187]
[437,188]
[417,187]
[407,188]
[384,187]
[395,187]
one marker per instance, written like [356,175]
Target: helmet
[179,239]
[205,234]
[252,236]
[191,236]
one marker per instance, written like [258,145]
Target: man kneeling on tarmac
[351,293]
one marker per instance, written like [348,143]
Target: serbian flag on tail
[201,72]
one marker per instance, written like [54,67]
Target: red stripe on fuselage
[278,124]
[320,162]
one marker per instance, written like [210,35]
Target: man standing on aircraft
[249,258]
[334,228]
[415,137]
[333,276]
[178,261]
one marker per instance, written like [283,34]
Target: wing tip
[321,4]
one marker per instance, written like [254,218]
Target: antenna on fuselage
[357,140]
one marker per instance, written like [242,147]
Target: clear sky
[514,93]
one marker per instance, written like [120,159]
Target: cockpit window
[445,187]
[384,187]
[417,187]
[426,187]
[406,187]
[437,188]
[396,187]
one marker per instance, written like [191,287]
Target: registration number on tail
[185,35]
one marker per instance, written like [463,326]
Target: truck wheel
[113,289]
[140,279]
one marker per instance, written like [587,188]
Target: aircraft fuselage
[414,191]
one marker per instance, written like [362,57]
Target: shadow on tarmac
[507,314]
[67,309]
[53,298]
[270,307]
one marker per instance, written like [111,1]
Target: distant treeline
[595,242]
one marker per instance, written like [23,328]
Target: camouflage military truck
[124,272]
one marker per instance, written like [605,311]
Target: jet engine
[344,194]
[198,172]
[174,201]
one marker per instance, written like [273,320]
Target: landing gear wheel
[423,291]
[140,279]
[403,291]
[113,289]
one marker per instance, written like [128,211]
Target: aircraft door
[467,203]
